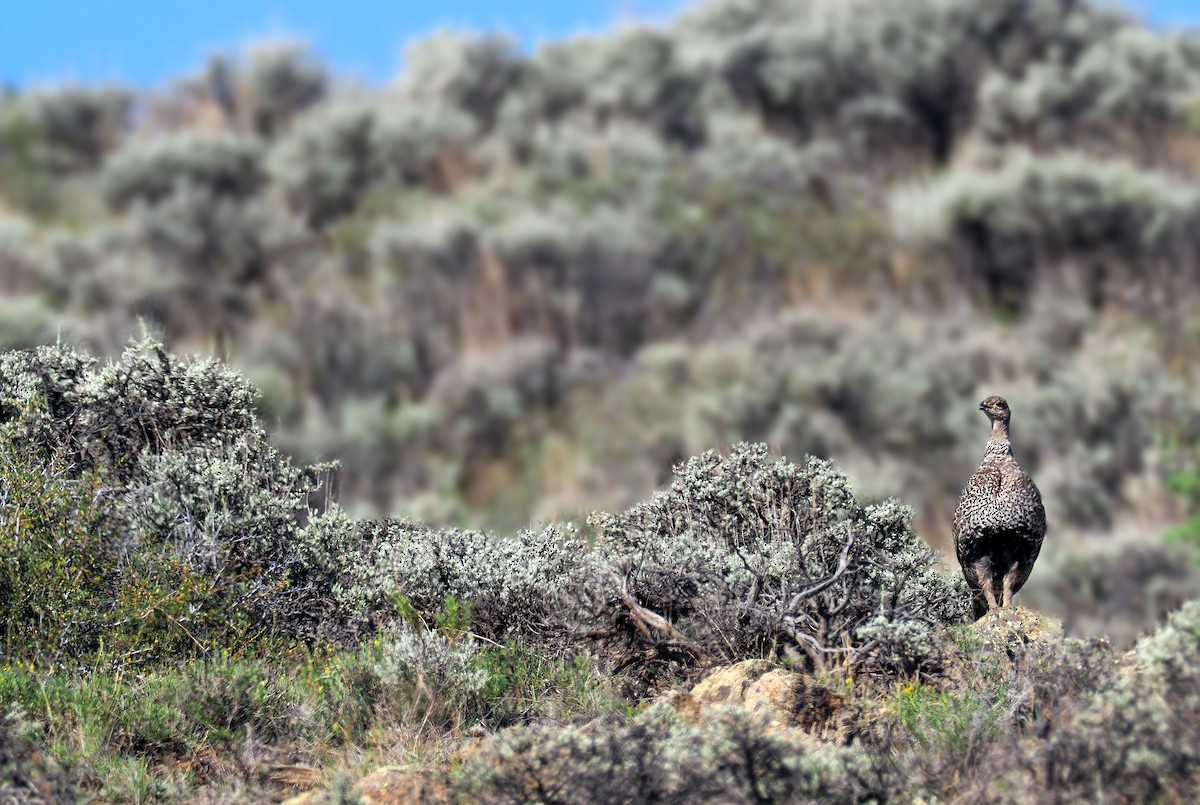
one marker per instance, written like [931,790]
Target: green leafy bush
[1186,485]
[55,544]
[147,484]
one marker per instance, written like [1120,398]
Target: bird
[1000,522]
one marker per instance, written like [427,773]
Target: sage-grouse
[1000,521]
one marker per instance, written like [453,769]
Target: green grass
[523,684]
[957,722]
[155,735]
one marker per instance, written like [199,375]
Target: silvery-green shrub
[732,757]
[225,165]
[747,554]
[645,76]
[512,584]
[263,89]
[1133,84]
[1065,221]
[283,79]
[421,144]
[1136,737]
[195,498]
[323,166]
[79,125]
[865,69]
[470,71]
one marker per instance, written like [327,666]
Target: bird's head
[996,408]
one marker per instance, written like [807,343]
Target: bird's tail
[979,605]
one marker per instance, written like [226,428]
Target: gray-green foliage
[417,144]
[1135,739]
[26,772]
[495,399]
[470,71]
[230,244]
[1065,220]
[25,322]
[1122,588]
[324,165]
[554,88]
[427,678]
[77,126]
[225,165]
[338,154]
[22,267]
[213,500]
[332,350]
[746,554]
[894,73]
[579,279]
[590,275]
[645,75]
[51,138]
[512,584]
[194,487]
[265,88]
[1129,83]
[887,404]
[731,758]
[197,217]
[282,80]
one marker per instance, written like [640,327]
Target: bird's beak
[981,406]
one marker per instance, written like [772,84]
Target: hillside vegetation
[734,286]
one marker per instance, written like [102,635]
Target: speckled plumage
[1000,521]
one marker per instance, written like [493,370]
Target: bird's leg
[983,571]
[1010,581]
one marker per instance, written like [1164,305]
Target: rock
[787,700]
[1015,632]
[728,685]
[293,777]
[394,786]
[389,785]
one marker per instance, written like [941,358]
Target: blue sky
[147,42]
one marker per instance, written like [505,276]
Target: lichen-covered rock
[390,785]
[1012,633]
[395,786]
[786,699]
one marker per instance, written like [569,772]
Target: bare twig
[824,584]
[647,620]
